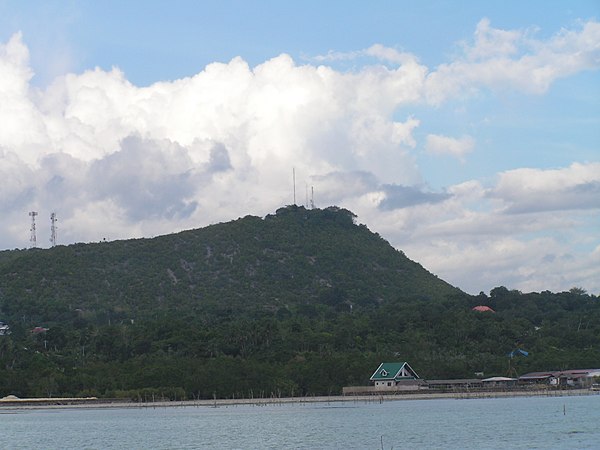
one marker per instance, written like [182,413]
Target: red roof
[38,330]
[482,308]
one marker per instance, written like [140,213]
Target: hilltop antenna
[306,189]
[53,229]
[33,239]
[294,180]
[312,197]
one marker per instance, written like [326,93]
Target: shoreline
[99,403]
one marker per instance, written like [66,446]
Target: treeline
[303,354]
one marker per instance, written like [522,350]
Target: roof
[578,373]
[538,375]
[392,371]
[496,379]
[455,381]
[38,330]
[572,373]
[482,308]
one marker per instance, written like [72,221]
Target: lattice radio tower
[53,227]
[33,239]
[310,204]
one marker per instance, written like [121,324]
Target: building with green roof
[390,375]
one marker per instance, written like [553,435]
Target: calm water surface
[542,423]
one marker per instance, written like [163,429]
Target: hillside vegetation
[301,302]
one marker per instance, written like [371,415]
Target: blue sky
[154,40]
[466,133]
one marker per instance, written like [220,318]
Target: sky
[466,133]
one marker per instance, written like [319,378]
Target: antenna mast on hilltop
[53,229]
[306,189]
[310,202]
[294,181]
[33,238]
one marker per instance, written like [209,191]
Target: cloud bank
[117,161]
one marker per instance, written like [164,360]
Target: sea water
[493,423]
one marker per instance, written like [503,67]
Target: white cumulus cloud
[500,59]
[444,145]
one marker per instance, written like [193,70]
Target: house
[394,375]
[581,378]
[4,329]
[499,382]
[540,378]
[38,330]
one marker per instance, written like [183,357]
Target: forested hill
[301,302]
[296,260]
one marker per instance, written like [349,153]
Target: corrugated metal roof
[537,375]
[456,381]
[391,371]
[571,373]
[492,379]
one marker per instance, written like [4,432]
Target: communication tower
[306,188]
[294,182]
[33,239]
[53,229]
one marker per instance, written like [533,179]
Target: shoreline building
[392,376]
